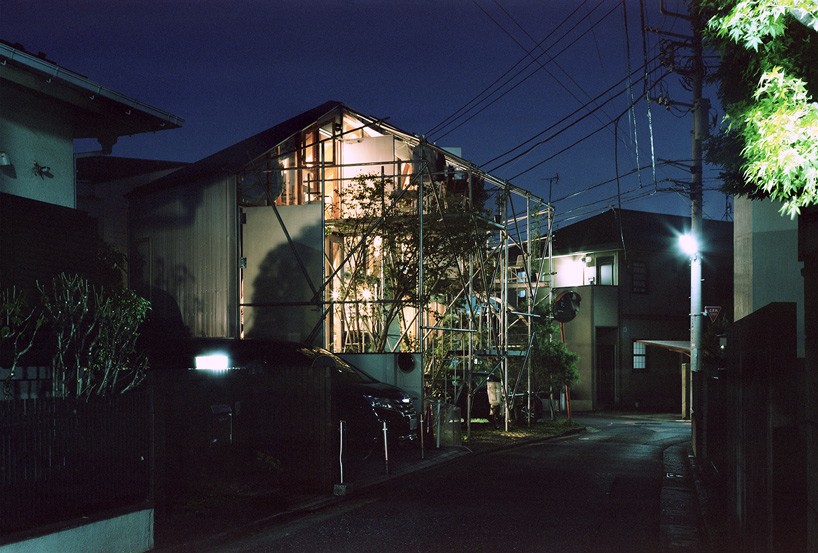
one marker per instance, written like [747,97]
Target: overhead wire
[552,126]
[534,60]
[606,125]
[551,59]
[645,87]
[630,87]
[467,112]
[597,185]
[457,113]
[570,146]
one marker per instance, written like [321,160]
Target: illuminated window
[605,270]
[639,357]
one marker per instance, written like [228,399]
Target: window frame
[640,354]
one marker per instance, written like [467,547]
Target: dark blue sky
[232,68]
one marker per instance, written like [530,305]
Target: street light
[690,245]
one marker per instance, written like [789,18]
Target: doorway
[605,368]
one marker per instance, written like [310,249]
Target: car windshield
[348,372]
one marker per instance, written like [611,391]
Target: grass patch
[485,437]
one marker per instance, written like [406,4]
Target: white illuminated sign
[213,362]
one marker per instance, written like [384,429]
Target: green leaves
[94,333]
[750,22]
[777,122]
[781,141]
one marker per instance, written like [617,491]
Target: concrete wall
[36,130]
[129,533]
[766,266]
[579,339]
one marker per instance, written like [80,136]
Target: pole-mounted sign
[713,312]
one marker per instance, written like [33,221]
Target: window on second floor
[605,270]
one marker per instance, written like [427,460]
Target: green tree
[553,366]
[768,77]
[380,279]
[94,335]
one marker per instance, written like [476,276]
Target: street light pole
[700,109]
[695,312]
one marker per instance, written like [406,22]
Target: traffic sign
[712,312]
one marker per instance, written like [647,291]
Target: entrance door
[605,367]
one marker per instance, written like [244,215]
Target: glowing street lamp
[690,245]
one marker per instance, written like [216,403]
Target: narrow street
[598,491]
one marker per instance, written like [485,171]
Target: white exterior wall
[130,533]
[766,266]
[35,131]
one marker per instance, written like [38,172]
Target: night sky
[233,68]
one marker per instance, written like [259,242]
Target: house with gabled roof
[46,107]
[44,231]
[247,243]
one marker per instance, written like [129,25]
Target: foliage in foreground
[91,330]
[768,79]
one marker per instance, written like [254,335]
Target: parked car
[364,403]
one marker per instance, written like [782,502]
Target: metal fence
[62,459]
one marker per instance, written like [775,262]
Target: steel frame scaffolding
[430,188]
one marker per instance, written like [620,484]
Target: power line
[550,58]
[576,111]
[535,59]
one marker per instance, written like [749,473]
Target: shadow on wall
[163,324]
[278,282]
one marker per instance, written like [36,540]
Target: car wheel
[536,409]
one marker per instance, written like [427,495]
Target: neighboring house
[634,286]
[44,231]
[253,240]
[45,107]
[102,185]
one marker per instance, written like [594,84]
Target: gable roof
[638,229]
[105,113]
[234,158]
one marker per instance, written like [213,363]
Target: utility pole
[699,108]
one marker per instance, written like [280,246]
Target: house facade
[302,231]
[44,231]
[634,286]
[45,108]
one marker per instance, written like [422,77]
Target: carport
[683,347]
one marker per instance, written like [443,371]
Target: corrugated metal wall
[184,255]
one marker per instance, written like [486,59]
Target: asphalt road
[598,491]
